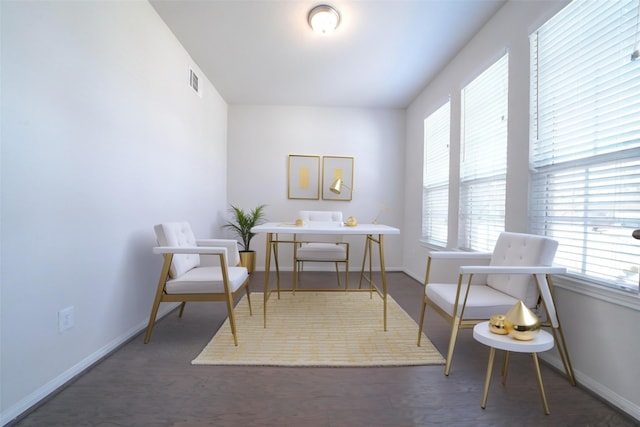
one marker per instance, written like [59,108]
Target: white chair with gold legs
[519,268]
[183,278]
[321,248]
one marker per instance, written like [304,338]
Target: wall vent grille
[194,81]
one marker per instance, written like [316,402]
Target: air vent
[193,81]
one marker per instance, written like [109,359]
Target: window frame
[435,186]
[547,216]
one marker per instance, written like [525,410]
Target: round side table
[543,341]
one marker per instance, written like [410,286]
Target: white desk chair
[321,248]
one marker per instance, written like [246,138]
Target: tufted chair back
[178,234]
[517,249]
[321,218]
[330,217]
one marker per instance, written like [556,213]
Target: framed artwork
[337,178]
[303,177]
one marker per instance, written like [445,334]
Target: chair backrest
[321,216]
[518,249]
[329,218]
[178,234]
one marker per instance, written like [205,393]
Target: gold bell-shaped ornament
[523,324]
[498,324]
[351,221]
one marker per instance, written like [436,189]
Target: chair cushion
[517,249]
[206,280]
[483,302]
[178,234]
[321,252]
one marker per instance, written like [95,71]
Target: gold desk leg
[267,265]
[540,386]
[274,244]
[295,264]
[487,381]
[367,250]
[384,277]
[368,254]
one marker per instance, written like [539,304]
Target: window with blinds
[483,161]
[585,139]
[435,189]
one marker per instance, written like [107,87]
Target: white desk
[543,341]
[374,234]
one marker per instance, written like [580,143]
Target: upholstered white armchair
[185,277]
[519,268]
[321,248]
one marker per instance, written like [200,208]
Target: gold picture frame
[334,168]
[303,180]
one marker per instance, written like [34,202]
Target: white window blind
[483,162]
[435,194]
[585,139]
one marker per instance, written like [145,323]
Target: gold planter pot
[248,260]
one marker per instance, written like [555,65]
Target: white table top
[543,341]
[291,228]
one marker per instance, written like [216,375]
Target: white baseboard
[614,399]
[56,383]
[331,268]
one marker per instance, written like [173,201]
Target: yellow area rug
[320,329]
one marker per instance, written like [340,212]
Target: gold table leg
[267,265]
[487,381]
[368,251]
[505,366]
[540,386]
[384,277]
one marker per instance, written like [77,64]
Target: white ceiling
[383,53]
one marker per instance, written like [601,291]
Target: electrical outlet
[66,319]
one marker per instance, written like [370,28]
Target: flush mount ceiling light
[323,19]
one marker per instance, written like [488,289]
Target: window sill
[623,298]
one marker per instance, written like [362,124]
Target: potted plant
[241,224]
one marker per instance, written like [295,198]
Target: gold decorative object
[337,177]
[351,221]
[498,324]
[299,222]
[522,323]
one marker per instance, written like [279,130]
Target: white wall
[604,355]
[262,137]
[101,138]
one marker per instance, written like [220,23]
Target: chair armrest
[455,255]
[490,269]
[190,250]
[227,243]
